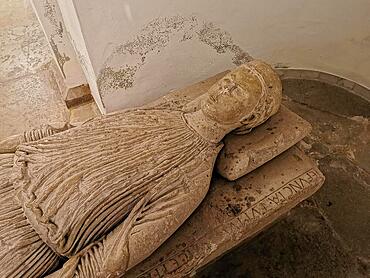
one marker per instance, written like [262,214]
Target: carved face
[243,97]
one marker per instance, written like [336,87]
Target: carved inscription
[239,227]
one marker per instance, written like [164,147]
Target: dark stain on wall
[61,58]
[222,42]
[56,36]
[156,36]
[50,14]
[122,78]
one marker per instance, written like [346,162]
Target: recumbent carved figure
[105,195]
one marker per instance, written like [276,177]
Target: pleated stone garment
[22,252]
[78,185]
[107,194]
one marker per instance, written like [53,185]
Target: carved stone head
[247,96]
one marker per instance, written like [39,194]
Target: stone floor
[29,92]
[327,235]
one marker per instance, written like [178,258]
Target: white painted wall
[50,18]
[138,50]
[78,41]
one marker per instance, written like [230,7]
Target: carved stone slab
[232,212]
[244,153]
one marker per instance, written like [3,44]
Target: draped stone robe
[77,186]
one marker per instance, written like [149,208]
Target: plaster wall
[139,50]
[78,41]
[50,18]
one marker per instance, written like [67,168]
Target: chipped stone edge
[325,77]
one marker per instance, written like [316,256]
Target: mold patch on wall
[122,78]
[222,42]
[154,38]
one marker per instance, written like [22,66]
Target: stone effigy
[243,153]
[107,194]
[235,210]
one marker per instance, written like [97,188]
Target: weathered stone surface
[78,95]
[327,235]
[340,142]
[233,212]
[302,244]
[326,97]
[23,47]
[29,102]
[83,112]
[108,193]
[244,153]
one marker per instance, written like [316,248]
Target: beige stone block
[280,72]
[232,213]
[84,112]
[29,102]
[23,50]
[328,78]
[78,95]
[63,89]
[244,153]
[310,74]
[287,73]
[291,73]
[362,91]
[15,13]
[348,84]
